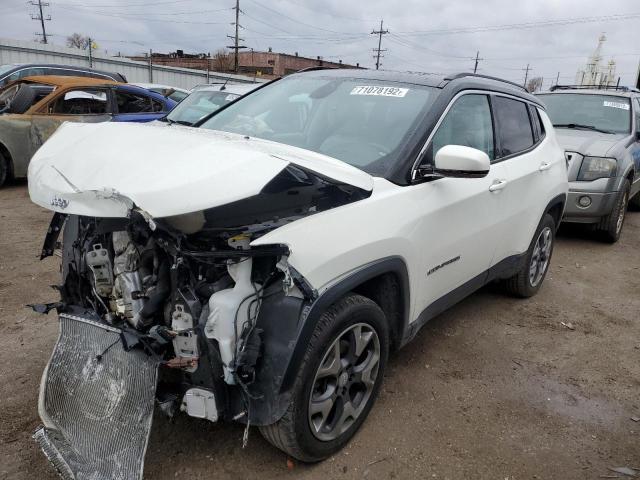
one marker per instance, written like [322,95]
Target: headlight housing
[593,168]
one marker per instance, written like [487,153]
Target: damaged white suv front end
[161,283]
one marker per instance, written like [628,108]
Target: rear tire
[338,381]
[533,270]
[611,225]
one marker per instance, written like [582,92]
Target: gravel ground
[495,388]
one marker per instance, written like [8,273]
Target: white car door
[531,164]
[462,222]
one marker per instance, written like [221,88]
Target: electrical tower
[379,49]
[40,17]
[236,39]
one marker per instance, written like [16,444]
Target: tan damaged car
[32,108]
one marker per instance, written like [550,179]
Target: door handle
[497,185]
[544,166]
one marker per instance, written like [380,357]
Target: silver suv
[600,132]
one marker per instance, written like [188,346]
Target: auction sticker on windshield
[623,106]
[379,91]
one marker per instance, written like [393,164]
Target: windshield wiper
[179,122]
[581,126]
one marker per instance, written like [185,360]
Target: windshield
[198,105]
[605,113]
[362,122]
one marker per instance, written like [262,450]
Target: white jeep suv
[260,268]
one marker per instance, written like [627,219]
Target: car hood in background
[586,142]
[103,170]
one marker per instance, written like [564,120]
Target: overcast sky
[440,36]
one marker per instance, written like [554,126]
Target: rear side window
[514,127]
[133,103]
[81,102]
[468,123]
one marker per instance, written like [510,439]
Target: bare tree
[76,40]
[534,84]
[222,61]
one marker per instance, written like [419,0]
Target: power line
[120,6]
[40,17]
[293,19]
[379,49]
[525,25]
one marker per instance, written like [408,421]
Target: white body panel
[100,169]
[431,223]
[533,177]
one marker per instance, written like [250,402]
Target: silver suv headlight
[593,168]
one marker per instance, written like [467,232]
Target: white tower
[594,72]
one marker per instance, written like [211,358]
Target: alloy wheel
[344,381]
[623,210]
[540,257]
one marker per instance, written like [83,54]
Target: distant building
[263,64]
[596,72]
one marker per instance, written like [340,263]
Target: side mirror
[638,136]
[461,162]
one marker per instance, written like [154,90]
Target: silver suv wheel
[344,381]
[540,257]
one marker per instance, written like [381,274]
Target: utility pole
[526,75]
[379,49]
[236,39]
[558,78]
[475,67]
[90,53]
[40,17]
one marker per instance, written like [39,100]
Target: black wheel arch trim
[555,201]
[311,313]
[287,324]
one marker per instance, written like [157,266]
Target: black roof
[461,81]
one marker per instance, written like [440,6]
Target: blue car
[137,104]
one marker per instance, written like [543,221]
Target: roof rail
[317,67]
[488,77]
[591,87]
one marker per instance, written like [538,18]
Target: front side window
[133,103]
[514,126]
[80,102]
[601,113]
[468,123]
[363,122]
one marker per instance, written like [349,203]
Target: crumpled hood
[103,169]
[586,142]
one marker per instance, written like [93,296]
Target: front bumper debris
[96,403]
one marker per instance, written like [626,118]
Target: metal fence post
[150,66]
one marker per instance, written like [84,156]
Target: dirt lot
[496,388]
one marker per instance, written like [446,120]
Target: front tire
[529,278]
[338,381]
[611,225]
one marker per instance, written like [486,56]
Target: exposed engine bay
[188,291]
